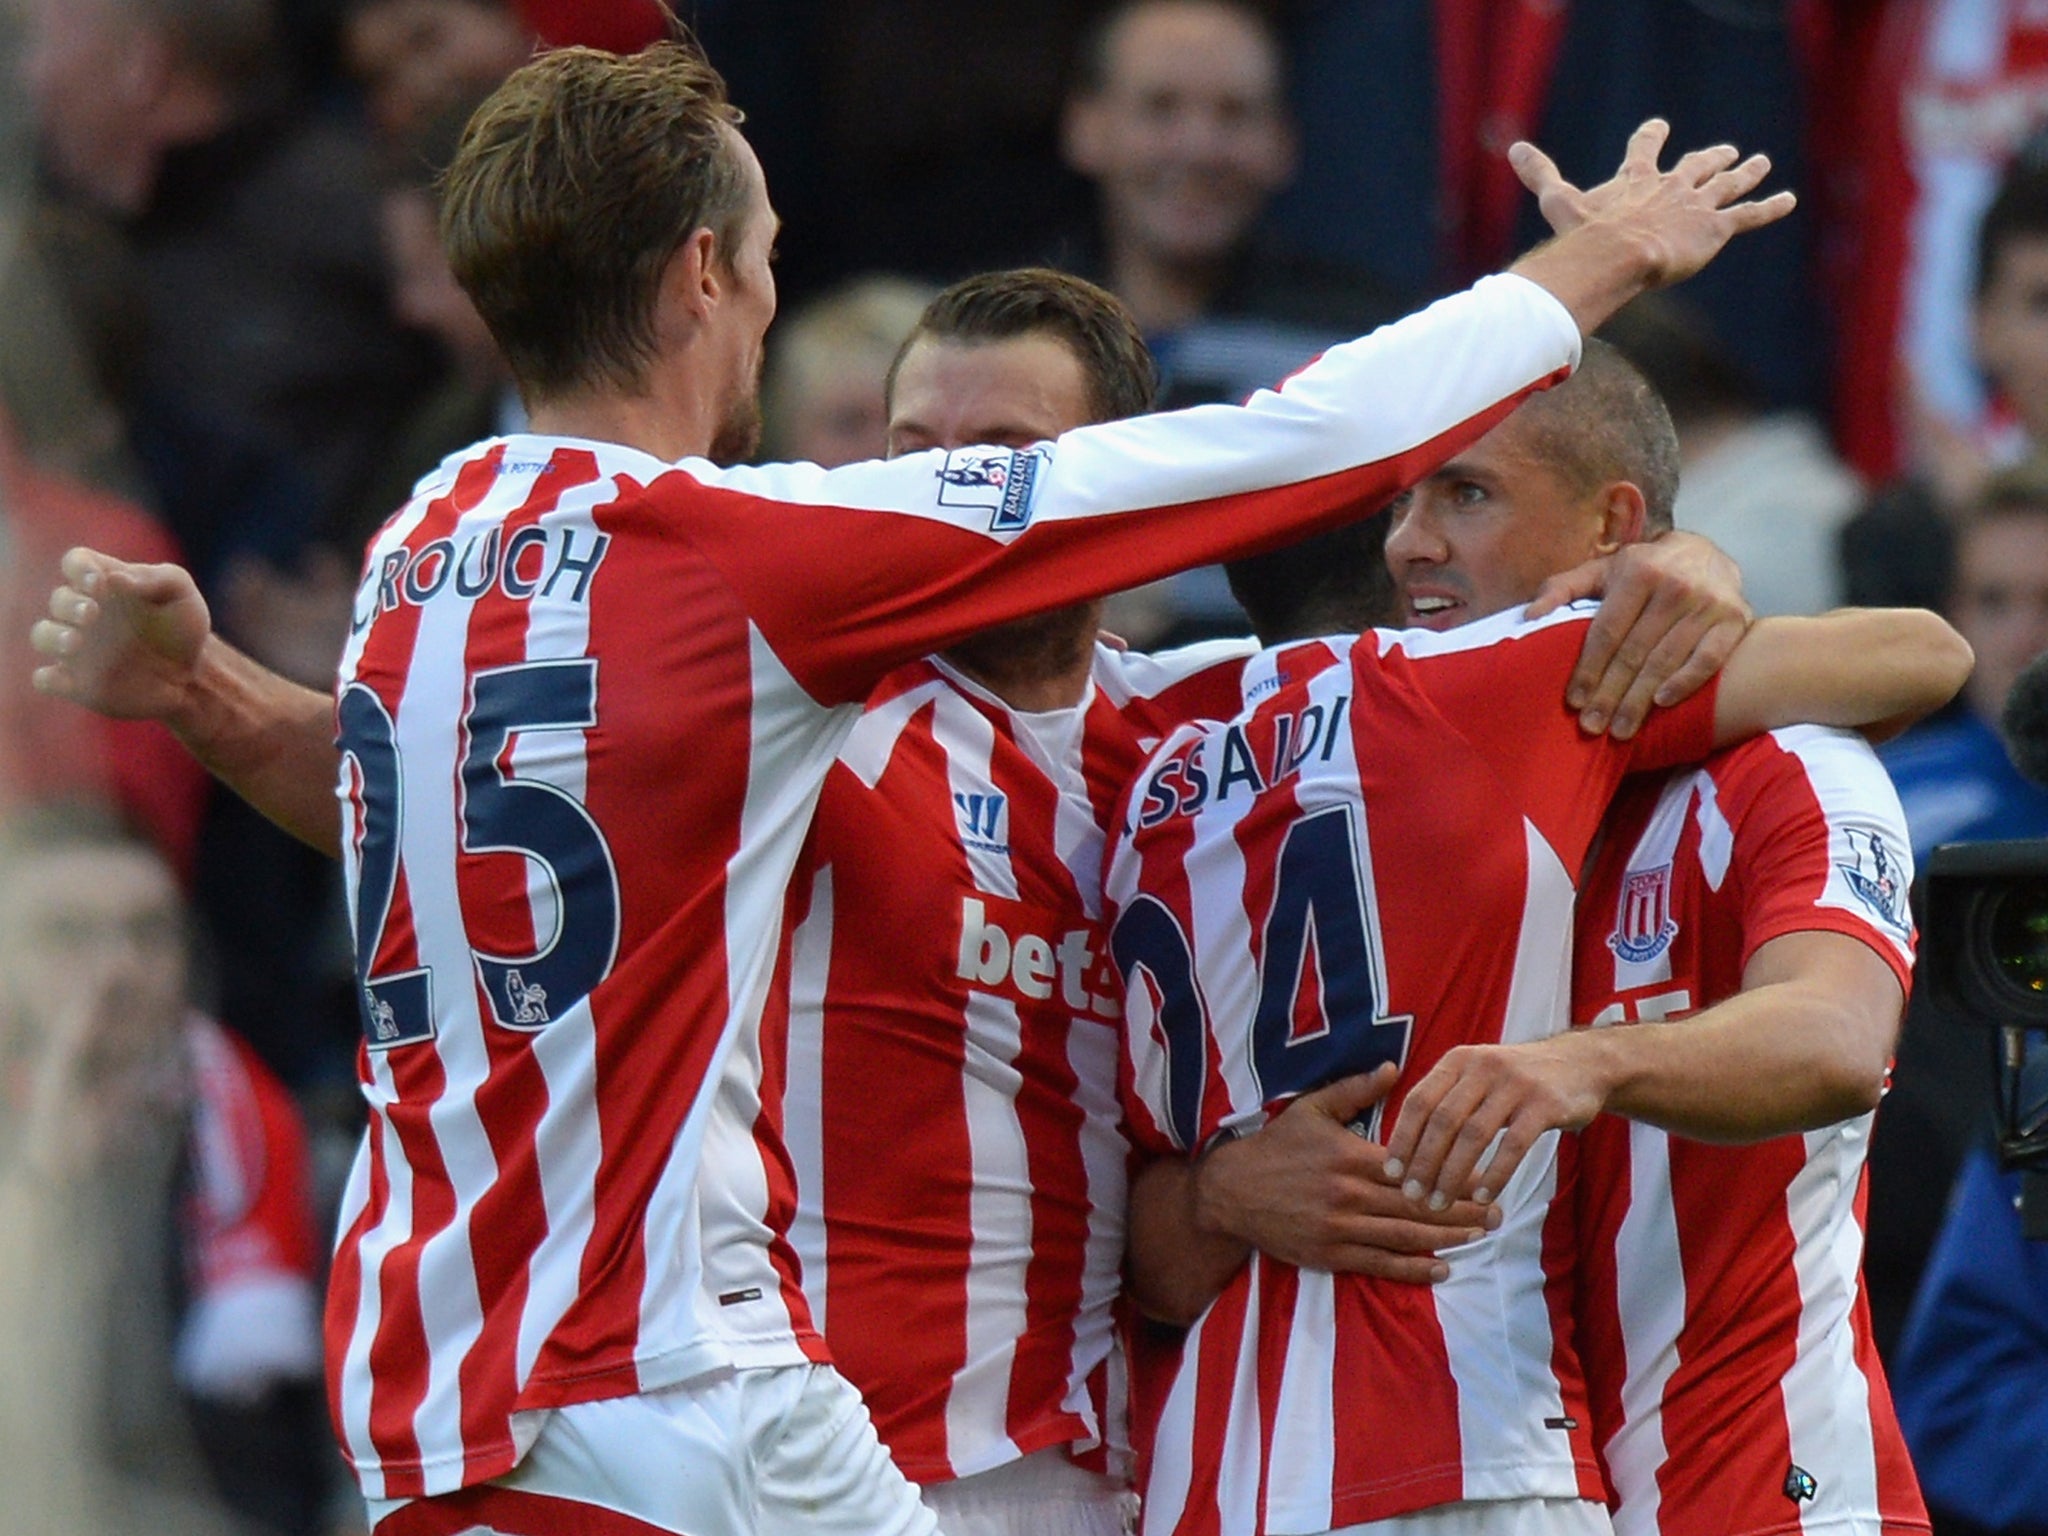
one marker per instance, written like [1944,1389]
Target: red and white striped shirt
[951,1100]
[585,714]
[1722,1321]
[1374,862]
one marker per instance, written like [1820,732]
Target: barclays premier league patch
[1877,878]
[999,481]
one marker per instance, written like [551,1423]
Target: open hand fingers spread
[1539,173]
[1735,182]
[1646,144]
[1700,166]
[1747,216]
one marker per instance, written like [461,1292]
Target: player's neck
[668,419]
[1036,664]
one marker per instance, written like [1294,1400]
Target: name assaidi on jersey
[1182,784]
[532,562]
[991,956]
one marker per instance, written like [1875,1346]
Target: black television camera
[1985,954]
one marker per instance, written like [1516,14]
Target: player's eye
[1468,493]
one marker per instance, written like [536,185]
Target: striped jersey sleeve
[899,558]
[1721,1320]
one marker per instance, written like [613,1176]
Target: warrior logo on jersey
[1876,878]
[1000,483]
[1643,925]
[1801,1484]
[984,821]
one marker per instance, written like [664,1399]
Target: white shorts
[1043,1494]
[782,1451]
[1494,1517]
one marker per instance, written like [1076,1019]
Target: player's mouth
[1434,610]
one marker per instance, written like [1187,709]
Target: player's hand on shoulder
[1477,1093]
[120,638]
[1678,219]
[1671,614]
[1310,1190]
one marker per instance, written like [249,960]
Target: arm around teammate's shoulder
[1870,669]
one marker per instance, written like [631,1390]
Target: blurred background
[227,336]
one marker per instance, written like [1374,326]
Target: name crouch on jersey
[533,562]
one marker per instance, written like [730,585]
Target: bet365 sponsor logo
[1030,964]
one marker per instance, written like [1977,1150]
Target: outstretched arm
[1642,228]
[136,642]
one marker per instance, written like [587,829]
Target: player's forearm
[1764,1063]
[1857,667]
[269,740]
[1176,1266]
[1593,271]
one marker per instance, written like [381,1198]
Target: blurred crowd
[228,337]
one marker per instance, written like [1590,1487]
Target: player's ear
[1624,516]
[696,277]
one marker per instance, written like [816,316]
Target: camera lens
[2019,936]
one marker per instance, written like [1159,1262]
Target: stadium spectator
[823,393]
[477,398]
[1957,785]
[1901,548]
[1973,1361]
[1178,117]
[1953,774]
[1763,485]
[253,227]
[416,60]
[132,1128]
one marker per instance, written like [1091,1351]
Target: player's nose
[1413,537]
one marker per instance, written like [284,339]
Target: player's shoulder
[1493,633]
[1125,676]
[1836,768]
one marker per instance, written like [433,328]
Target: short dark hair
[1093,54]
[1332,583]
[2018,211]
[1605,423]
[575,184]
[1031,301]
[1697,377]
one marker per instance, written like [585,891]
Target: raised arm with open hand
[1656,226]
[137,642]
